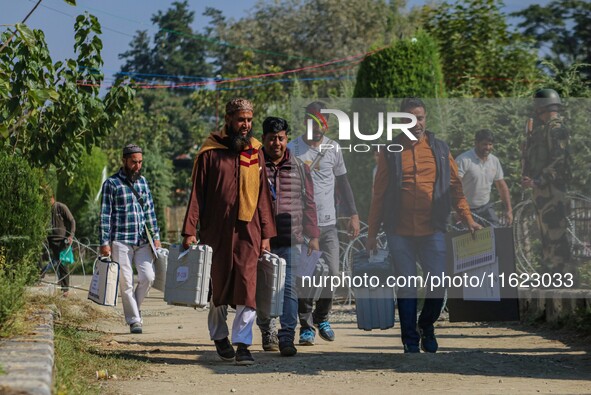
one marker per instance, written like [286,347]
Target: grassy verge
[78,357]
[17,324]
[17,321]
[80,351]
[12,299]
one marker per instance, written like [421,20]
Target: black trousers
[62,269]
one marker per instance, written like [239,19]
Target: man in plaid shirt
[124,219]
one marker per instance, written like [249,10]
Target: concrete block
[20,387]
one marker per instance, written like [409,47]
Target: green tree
[183,122]
[408,68]
[178,50]
[562,28]
[25,212]
[139,56]
[79,192]
[457,120]
[178,55]
[51,113]
[159,173]
[480,56]
[25,215]
[73,191]
[268,98]
[289,34]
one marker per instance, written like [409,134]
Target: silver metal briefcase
[187,275]
[270,284]
[311,287]
[374,306]
[160,265]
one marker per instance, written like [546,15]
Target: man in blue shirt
[127,222]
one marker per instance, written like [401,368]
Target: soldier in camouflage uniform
[546,170]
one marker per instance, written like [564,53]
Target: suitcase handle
[185,252]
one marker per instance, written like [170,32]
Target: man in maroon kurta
[232,205]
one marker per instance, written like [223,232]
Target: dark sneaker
[270,341]
[243,356]
[411,349]
[325,331]
[135,328]
[287,348]
[224,349]
[307,336]
[428,341]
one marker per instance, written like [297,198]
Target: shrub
[158,171]
[86,182]
[409,68]
[80,191]
[12,288]
[25,211]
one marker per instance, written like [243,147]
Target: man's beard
[133,175]
[239,143]
[316,137]
[482,154]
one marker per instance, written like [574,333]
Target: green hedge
[25,214]
[409,68]
[12,289]
[25,211]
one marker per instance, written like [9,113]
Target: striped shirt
[122,218]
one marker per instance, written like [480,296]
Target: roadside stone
[28,360]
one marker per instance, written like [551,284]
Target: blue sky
[120,20]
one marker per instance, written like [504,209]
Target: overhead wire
[284,81]
[74,17]
[310,68]
[6,42]
[205,81]
[192,36]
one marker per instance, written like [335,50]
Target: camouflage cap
[238,104]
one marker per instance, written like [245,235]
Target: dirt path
[475,358]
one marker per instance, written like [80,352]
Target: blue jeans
[430,252]
[289,318]
[329,245]
[488,213]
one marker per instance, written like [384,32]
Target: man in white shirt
[479,169]
[329,177]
